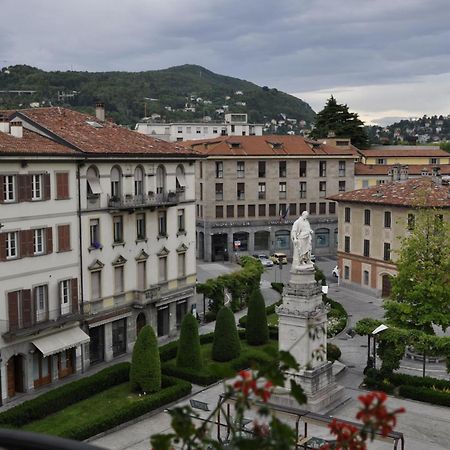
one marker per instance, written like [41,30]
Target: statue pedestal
[303,332]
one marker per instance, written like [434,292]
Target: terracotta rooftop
[266,145]
[383,169]
[88,135]
[411,192]
[404,151]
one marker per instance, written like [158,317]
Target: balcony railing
[149,200]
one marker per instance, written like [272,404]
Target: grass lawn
[272,320]
[87,410]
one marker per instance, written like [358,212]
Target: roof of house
[266,145]
[88,135]
[422,191]
[383,169]
[402,151]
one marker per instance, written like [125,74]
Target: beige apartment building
[372,222]
[250,189]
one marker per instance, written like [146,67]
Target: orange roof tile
[383,169]
[402,151]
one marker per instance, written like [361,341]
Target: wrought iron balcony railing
[149,200]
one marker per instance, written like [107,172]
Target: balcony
[130,202]
[143,298]
[38,321]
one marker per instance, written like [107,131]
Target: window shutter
[26,243]
[49,240]
[26,307]
[13,312]
[46,182]
[24,187]
[62,185]
[2,180]
[74,293]
[2,246]
[63,238]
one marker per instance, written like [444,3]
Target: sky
[384,58]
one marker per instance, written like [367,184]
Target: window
[282,210]
[262,191]
[219,169]
[93,182]
[367,217]
[219,192]
[201,168]
[381,161]
[138,181]
[240,169]
[322,238]
[292,209]
[115,182]
[230,210]
[64,287]
[41,302]
[241,211]
[411,222]
[387,219]
[179,129]
[181,264]
[9,188]
[62,185]
[302,169]
[341,186]
[282,169]
[118,229]
[342,168]
[261,169]
[38,241]
[201,191]
[282,240]
[140,227]
[162,223]
[64,238]
[36,187]
[180,179]
[94,233]
[434,160]
[322,189]
[240,191]
[180,217]
[215,130]
[282,189]
[118,280]
[188,130]
[346,272]
[160,180]
[219,212]
[322,168]
[347,214]
[302,207]
[366,250]
[347,244]
[261,210]
[302,189]
[11,245]
[366,277]
[312,208]
[272,209]
[96,287]
[141,275]
[332,208]
[387,251]
[322,208]
[162,268]
[365,184]
[381,181]
[251,211]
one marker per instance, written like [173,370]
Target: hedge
[429,382]
[277,287]
[202,377]
[188,354]
[425,394]
[257,329]
[226,343]
[64,396]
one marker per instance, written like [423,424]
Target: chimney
[403,172]
[436,175]
[16,128]
[100,111]
[395,172]
[4,124]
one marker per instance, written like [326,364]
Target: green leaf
[297,393]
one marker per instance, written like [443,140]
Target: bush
[277,287]
[145,371]
[257,329]
[168,351]
[202,377]
[425,394]
[429,382]
[333,352]
[226,344]
[64,396]
[188,355]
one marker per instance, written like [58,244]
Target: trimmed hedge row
[64,396]
[427,382]
[424,394]
[172,389]
[201,377]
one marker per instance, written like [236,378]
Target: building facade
[372,223]
[97,239]
[251,189]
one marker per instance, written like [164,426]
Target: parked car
[279,258]
[335,272]
[265,260]
[313,258]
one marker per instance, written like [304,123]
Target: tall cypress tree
[226,344]
[188,354]
[256,327]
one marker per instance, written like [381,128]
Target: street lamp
[374,333]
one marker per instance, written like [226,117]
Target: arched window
[116,188]
[160,180]
[322,237]
[181,179]
[138,181]
[282,239]
[93,182]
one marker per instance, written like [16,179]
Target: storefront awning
[55,343]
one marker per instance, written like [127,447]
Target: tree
[257,331]
[188,354]
[420,293]
[337,119]
[145,370]
[226,344]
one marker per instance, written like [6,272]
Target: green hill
[130,95]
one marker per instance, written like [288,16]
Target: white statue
[301,235]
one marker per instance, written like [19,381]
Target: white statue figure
[301,235]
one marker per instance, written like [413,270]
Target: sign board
[237,244]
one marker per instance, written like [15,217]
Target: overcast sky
[381,57]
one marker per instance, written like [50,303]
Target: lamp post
[374,333]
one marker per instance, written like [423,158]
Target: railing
[145,200]
[93,201]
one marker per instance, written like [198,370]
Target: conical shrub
[257,330]
[145,371]
[226,344]
[188,354]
